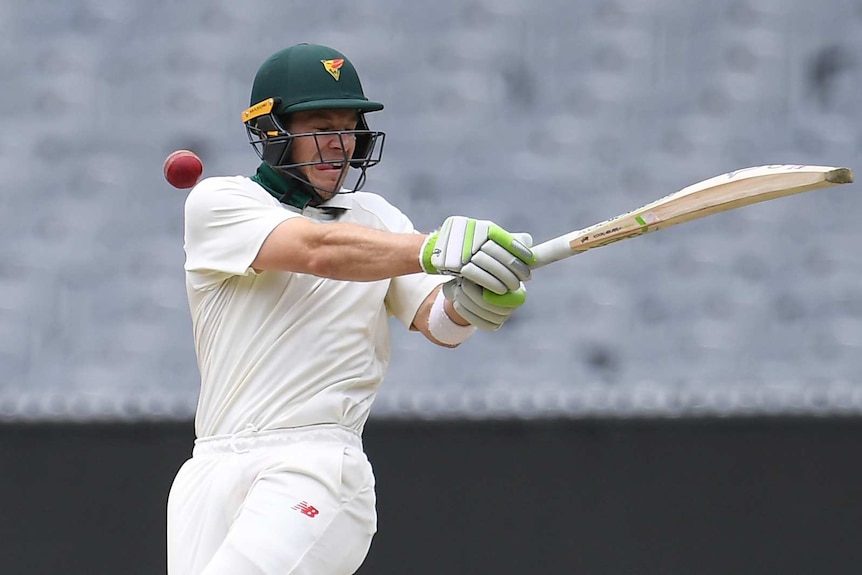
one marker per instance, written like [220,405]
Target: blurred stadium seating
[545,116]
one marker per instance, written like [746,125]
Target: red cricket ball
[182,169]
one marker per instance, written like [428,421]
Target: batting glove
[480,251]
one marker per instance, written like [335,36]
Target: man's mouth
[334,166]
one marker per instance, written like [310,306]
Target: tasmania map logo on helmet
[333,67]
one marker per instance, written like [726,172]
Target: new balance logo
[306,509]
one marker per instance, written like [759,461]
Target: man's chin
[326,192]
[327,189]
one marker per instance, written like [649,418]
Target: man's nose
[339,141]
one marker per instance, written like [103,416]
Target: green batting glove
[480,251]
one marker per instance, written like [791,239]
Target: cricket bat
[718,194]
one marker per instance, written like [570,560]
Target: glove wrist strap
[425,255]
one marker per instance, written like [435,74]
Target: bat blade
[718,194]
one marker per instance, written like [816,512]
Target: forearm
[356,253]
[341,251]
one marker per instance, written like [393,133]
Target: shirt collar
[342,200]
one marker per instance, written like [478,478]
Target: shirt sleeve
[406,293]
[226,223]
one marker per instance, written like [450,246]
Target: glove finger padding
[502,261]
[500,305]
[512,244]
[470,305]
[489,273]
[476,320]
[480,307]
[524,238]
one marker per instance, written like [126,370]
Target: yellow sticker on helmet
[333,67]
[258,109]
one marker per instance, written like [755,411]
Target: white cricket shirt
[282,349]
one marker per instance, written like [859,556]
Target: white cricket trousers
[298,501]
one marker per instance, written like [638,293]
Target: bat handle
[551,251]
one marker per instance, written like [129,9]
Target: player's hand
[484,309]
[480,251]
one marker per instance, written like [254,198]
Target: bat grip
[551,251]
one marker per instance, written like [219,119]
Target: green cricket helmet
[301,78]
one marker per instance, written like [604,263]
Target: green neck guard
[285,189]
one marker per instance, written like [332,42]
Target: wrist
[443,328]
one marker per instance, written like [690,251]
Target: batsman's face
[326,153]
